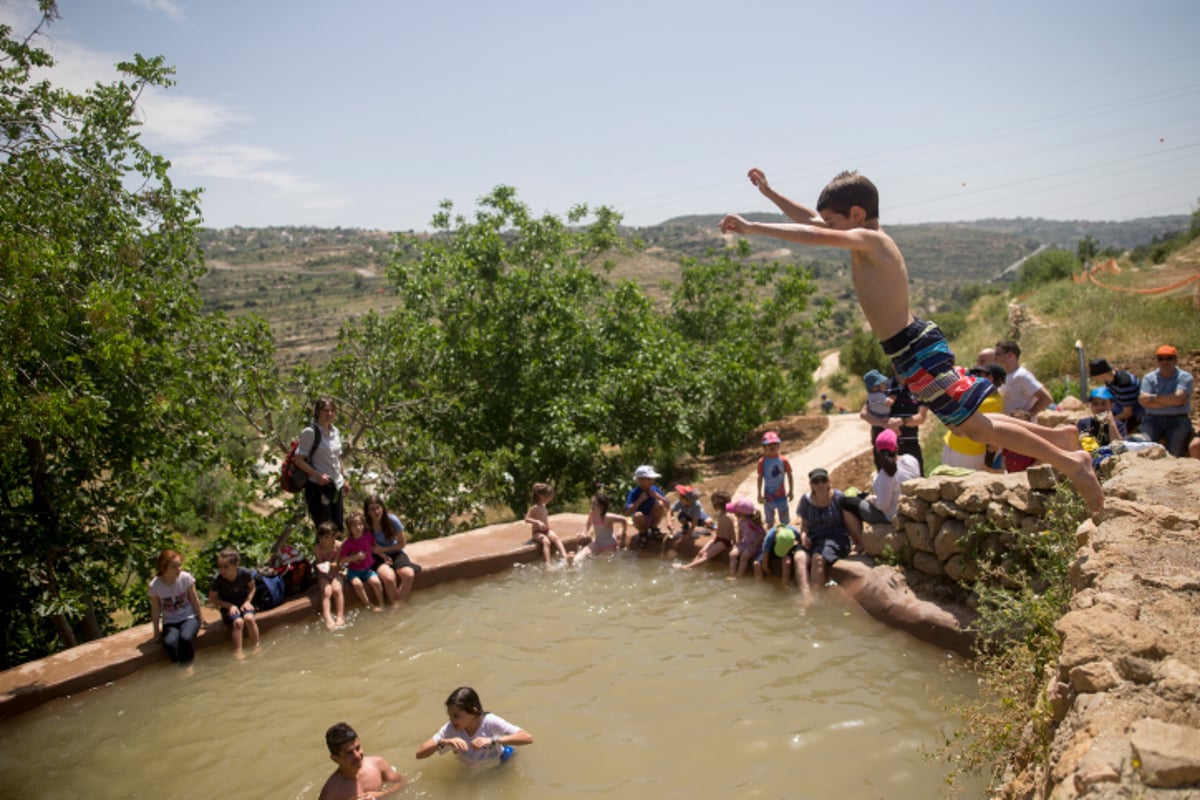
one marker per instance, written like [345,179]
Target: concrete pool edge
[471,554]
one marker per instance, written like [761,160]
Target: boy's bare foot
[341,622]
[376,609]
[239,655]
[1083,478]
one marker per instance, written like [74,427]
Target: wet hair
[465,699]
[377,500]
[720,499]
[327,529]
[1009,346]
[338,735]
[322,402]
[849,189]
[601,499]
[886,461]
[229,554]
[542,490]
[164,560]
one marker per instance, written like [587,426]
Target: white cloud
[172,8]
[255,164]
[182,119]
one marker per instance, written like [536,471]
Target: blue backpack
[269,588]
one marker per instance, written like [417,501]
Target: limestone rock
[1098,676]
[974,497]
[1085,532]
[949,540]
[951,488]
[927,489]
[1137,670]
[919,537]
[1092,772]
[961,570]
[1041,476]
[1096,634]
[878,539]
[913,507]
[1084,570]
[927,563]
[1178,682]
[1166,755]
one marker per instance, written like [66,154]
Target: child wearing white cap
[647,504]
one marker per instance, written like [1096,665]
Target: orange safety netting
[1089,276]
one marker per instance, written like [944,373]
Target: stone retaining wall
[1125,692]
[940,519]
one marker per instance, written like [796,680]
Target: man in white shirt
[1024,396]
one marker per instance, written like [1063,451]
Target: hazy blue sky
[367,113]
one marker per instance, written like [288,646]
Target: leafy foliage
[103,425]
[1046,267]
[862,354]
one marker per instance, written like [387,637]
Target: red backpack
[291,479]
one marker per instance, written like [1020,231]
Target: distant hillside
[306,281]
[940,256]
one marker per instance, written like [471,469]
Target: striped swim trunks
[926,366]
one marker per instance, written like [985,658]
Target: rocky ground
[1127,688]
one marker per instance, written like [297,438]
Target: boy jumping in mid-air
[847,216]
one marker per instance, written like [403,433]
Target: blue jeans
[1174,430]
[178,637]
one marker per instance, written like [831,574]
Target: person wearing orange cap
[1166,399]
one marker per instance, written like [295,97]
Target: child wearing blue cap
[879,402]
[1102,425]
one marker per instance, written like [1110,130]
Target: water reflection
[636,680]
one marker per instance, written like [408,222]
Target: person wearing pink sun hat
[881,505]
[774,471]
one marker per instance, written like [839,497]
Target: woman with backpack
[319,456]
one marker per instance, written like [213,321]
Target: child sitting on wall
[232,591]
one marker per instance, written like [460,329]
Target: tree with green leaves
[1046,267]
[102,425]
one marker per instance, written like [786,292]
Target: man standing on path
[1166,399]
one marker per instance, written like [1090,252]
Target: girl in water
[476,736]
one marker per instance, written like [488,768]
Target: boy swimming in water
[847,217]
[356,776]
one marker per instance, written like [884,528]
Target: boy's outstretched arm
[793,210]
[854,239]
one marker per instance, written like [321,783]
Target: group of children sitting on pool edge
[824,534]
[477,737]
[371,557]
